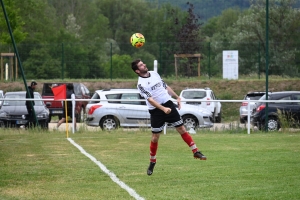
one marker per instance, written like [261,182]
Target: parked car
[111,109]
[203,94]
[55,107]
[13,113]
[290,110]
[244,106]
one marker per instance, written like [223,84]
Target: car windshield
[19,102]
[253,97]
[264,97]
[194,94]
[95,98]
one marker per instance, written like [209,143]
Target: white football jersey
[153,86]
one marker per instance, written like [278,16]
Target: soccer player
[158,99]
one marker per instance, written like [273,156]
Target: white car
[244,105]
[199,94]
[115,108]
[1,96]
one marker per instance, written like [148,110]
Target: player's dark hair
[134,64]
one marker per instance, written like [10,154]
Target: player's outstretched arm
[173,94]
[157,105]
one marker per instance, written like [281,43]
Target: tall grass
[46,165]
[287,120]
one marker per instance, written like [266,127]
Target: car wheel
[242,121]
[109,123]
[2,125]
[49,118]
[219,118]
[80,116]
[44,124]
[214,117]
[189,122]
[273,124]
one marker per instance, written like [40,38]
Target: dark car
[13,112]
[244,105]
[55,107]
[288,110]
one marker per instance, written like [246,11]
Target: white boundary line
[113,177]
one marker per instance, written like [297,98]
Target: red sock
[189,140]
[153,149]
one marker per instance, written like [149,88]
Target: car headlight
[3,115]
[42,115]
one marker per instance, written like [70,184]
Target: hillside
[210,8]
[206,8]
[224,89]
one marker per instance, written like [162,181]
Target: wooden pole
[198,66]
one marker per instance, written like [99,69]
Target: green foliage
[40,21]
[145,56]
[41,65]
[225,96]
[16,23]
[120,67]
[206,8]
[87,29]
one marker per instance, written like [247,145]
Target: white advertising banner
[230,64]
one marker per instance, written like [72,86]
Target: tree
[188,38]
[16,23]
[41,65]
[72,27]
[160,40]
[120,67]
[218,38]
[283,34]
[124,18]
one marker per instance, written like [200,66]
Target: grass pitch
[239,166]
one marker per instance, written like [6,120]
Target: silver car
[244,105]
[115,108]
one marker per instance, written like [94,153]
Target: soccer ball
[137,40]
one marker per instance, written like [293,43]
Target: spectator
[30,103]
[70,92]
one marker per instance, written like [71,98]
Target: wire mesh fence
[112,60]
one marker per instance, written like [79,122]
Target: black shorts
[159,118]
[69,112]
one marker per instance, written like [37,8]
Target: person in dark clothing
[30,104]
[70,92]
